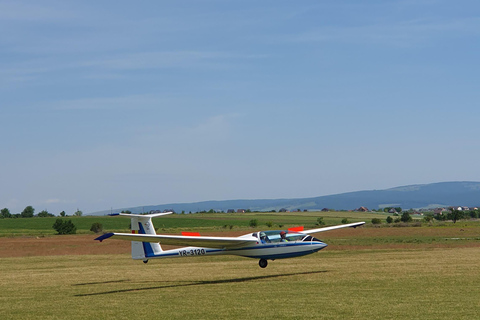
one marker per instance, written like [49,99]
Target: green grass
[171,223]
[366,284]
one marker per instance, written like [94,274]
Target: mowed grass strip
[367,284]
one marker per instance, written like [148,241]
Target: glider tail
[142,224]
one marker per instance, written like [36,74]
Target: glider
[263,245]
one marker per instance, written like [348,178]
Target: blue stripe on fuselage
[280,245]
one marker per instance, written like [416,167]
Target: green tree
[78,213]
[389,219]
[64,227]
[63,214]
[406,217]
[455,215]
[44,213]
[428,218]
[27,212]
[253,223]
[5,213]
[473,214]
[345,221]
[96,227]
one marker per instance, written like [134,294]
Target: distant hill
[432,195]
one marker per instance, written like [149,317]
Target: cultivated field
[365,273]
[171,223]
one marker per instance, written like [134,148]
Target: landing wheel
[145,261]
[263,263]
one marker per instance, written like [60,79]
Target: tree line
[29,212]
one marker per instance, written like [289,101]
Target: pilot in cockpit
[283,236]
[263,237]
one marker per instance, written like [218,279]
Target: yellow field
[438,283]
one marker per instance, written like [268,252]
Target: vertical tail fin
[142,224]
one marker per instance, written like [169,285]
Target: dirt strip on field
[85,244]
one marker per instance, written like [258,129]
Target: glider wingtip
[104,236]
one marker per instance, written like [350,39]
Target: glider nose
[320,245]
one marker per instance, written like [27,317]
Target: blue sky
[116,104]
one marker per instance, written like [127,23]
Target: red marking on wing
[191,234]
[294,229]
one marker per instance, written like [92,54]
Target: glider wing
[349,225]
[196,241]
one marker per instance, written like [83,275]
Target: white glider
[263,245]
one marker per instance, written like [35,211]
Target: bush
[96,227]
[320,221]
[345,221]
[389,219]
[269,224]
[376,221]
[64,227]
[253,223]
[427,218]
[406,217]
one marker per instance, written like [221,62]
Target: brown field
[343,239]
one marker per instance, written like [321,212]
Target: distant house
[325,210]
[392,210]
[231,211]
[282,210]
[362,209]
[241,211]
[439,211]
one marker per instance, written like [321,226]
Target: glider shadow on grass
[194,283]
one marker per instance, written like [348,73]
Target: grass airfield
[423,272]
[367,284]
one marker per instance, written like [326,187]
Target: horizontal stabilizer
[104,236]
[144,216]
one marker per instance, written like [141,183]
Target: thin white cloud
[122,102]
[115,67]
[402,33]
[23,11]
[210,130]
[169,59]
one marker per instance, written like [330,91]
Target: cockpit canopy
[273,236]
